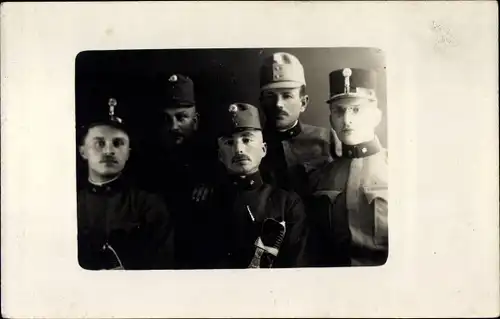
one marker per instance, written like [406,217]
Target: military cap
[347,82]
[240,116]
[281,70]
[104,116]
[179,91]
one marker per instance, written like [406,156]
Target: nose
[280,104]
[348,117]
[175,125]
[238,147]
[109,149]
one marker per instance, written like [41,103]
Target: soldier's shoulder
[285,195]
[317,132]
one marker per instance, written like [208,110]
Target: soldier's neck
[98,180]
[289,127]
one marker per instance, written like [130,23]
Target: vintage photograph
[231,158]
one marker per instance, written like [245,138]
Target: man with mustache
[351,212]
[119,225]
[243,204]
[296,150]
[184,164]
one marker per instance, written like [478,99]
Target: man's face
[179,124]
[354,120]
[284,105]
[242,152]
[106,149]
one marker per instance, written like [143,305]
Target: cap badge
[233,108]
[112,103]
[347,73]
[173,78]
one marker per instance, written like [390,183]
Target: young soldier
[252,224]
[296,150]
[355,186]
[119,226]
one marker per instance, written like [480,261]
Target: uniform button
[94,190]
[350,153]
[364,150]
[108,189]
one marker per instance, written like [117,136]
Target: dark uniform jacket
[295,156]
[232,232]
[122,226]
[178,172]
[351,213]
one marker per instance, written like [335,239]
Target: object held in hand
[272,236]
[107,246]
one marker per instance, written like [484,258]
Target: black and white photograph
[231,158]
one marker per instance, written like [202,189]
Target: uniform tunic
[175,175]
[232,231]
[121,226]
[295,155]
[354,192]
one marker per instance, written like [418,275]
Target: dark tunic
[232,232]
[179,171]
[118,223]
[295,156]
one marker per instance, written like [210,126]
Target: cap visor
[283,85]
[350,96]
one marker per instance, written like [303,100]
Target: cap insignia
[173,78]
[233,108]
[346,73]
[112,103]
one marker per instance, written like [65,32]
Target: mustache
[109,159]
[281,112]
[238,158]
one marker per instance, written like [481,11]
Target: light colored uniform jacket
[358,186]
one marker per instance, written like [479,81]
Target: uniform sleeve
[159,248]
[293,251]
[377,196]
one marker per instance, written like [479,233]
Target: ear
[196,120]
[264,149]
[219,155]
[304,100]
[81,150]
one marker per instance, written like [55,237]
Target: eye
[338,111]
[229,142]
[181,117]
[246,140]
[118,142]
[287,95]
[99,144]
[355,110]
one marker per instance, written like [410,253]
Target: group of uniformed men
[276,193]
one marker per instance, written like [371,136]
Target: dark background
[221,76]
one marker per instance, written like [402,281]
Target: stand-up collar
[247,182]
[110,186]
[290,133]
[361,150]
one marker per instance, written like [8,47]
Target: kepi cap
[281,70]
[352,82]
[109,118]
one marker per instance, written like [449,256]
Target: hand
[201,193]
